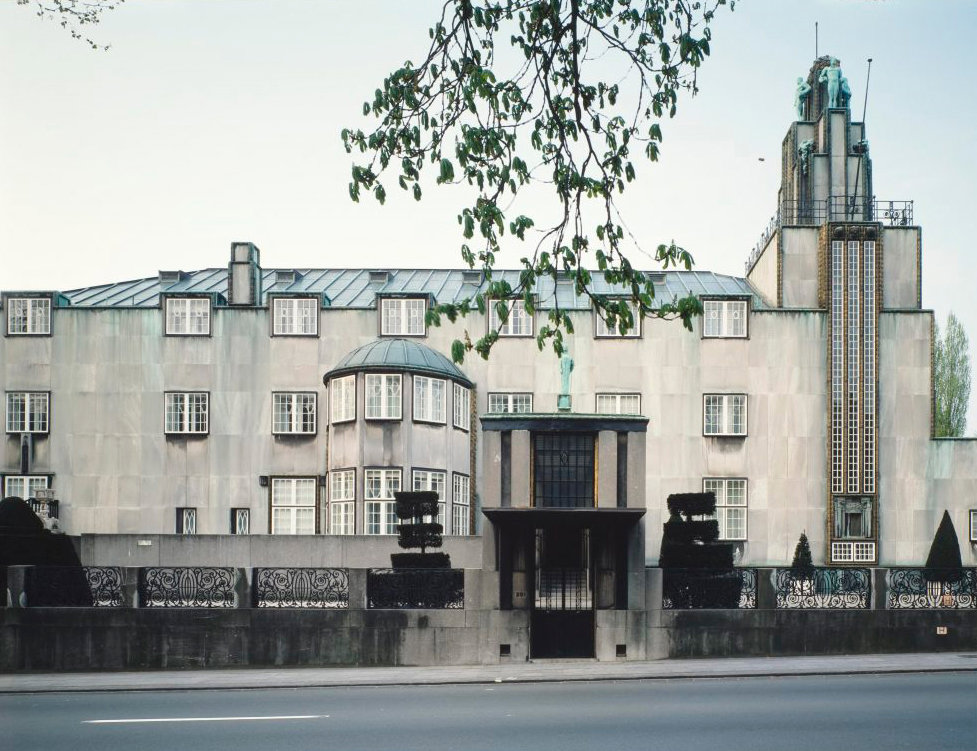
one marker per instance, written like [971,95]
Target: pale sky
[210,121]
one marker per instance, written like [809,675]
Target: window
[27,411]
[186,413]
[724,319]
[424,479]
[603,331]
[342,393]
[563,470]
[383,396]
[293,505]
[293,413]
[973,525]
[463,407]
[240,521]
[460,504]
[619,404]
[429,396]
[518,322]
[186,520]
[24,486]
[402,317]
[730,506]
[724,414]
[852,518]
[852,552]
[342,500]
[295,316]
[187,316]
[28,316]
[510,403]
[381,508]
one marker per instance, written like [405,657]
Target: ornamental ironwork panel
[187,587]
[825,588]
[563,589]
[301,587]
[909,588]
[415,588]
[691,589]
[74,586]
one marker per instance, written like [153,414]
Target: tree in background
[74,15]
[514,96]
[951,379]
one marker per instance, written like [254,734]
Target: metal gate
[562,618]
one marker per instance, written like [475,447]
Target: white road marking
[206,719]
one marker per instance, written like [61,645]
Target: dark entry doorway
[562,617]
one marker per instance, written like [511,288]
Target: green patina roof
[398,355]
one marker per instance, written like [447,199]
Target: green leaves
[587,87]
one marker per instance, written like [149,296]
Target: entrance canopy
[609,519]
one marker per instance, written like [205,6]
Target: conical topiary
[944,562]
[802,563]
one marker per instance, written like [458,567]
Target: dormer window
[187,316]
[402,316]
[603,331]
[724,319]
[295,316]
[517,323]
[28,316]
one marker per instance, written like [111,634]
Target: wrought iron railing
[913,588]
[825,588]
[187,587]
[44,508]
[300,588]
[563,589]
[415,588]
[684,589]
[73,586]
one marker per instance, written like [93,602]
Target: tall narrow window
[295,316]
[837,366]
[517,321]
[293,413]
[429,397]
[510,403]
[27,411]
[724,415]
[402,316]
[854,382]
[730,506]
[460,504]
[342,398]
[293,505]
[240,521]
[724,319]
[186,520]
[868,408]
[187,316]
[342,501]
[383,398]
[462,407]
[379,486]
[186,412]
[425,479]
[28,316]
[619,404]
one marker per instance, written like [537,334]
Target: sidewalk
[530,672]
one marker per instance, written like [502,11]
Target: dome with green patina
[398,355]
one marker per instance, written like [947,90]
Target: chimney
[244,275]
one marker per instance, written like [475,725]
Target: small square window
[603,331]
[724,415]
[383,396]
[28,412]
[429,398]
[724,319]
[293,413]
[295,316]
[187,316]
[517,321]
[240,521]
[28,316]
[24,486]
[506,403]
[402,316]
[619,404]
[293,505]
[187,413]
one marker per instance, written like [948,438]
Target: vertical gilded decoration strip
[854,375]
[837,366]
[869,369]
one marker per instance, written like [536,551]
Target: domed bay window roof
[398,355]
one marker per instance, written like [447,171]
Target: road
[900,711]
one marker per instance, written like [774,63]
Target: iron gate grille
[563,470]
[563,589]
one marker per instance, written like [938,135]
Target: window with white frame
[28,411]
[28,316]
[603,331]
[426,479]
[187,316]
[462,407]
[460,504]
[429,398]
[295,316]
[186,520]
[619,404]
[517,323]
[724,319]
[240,521]
[186,412]
[510,403]
[724,414]
[24,486]
[379,486]
[342,501]
[730,505]
[383,396]
[293,505]
[293,413]
[342,398]
[402,316]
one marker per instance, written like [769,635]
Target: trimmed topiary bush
[802,563]
[417,529]
[943,564]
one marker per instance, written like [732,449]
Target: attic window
[171,277]
[471,276]
[286,276]
[379,277]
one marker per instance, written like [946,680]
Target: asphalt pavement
[543,671]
